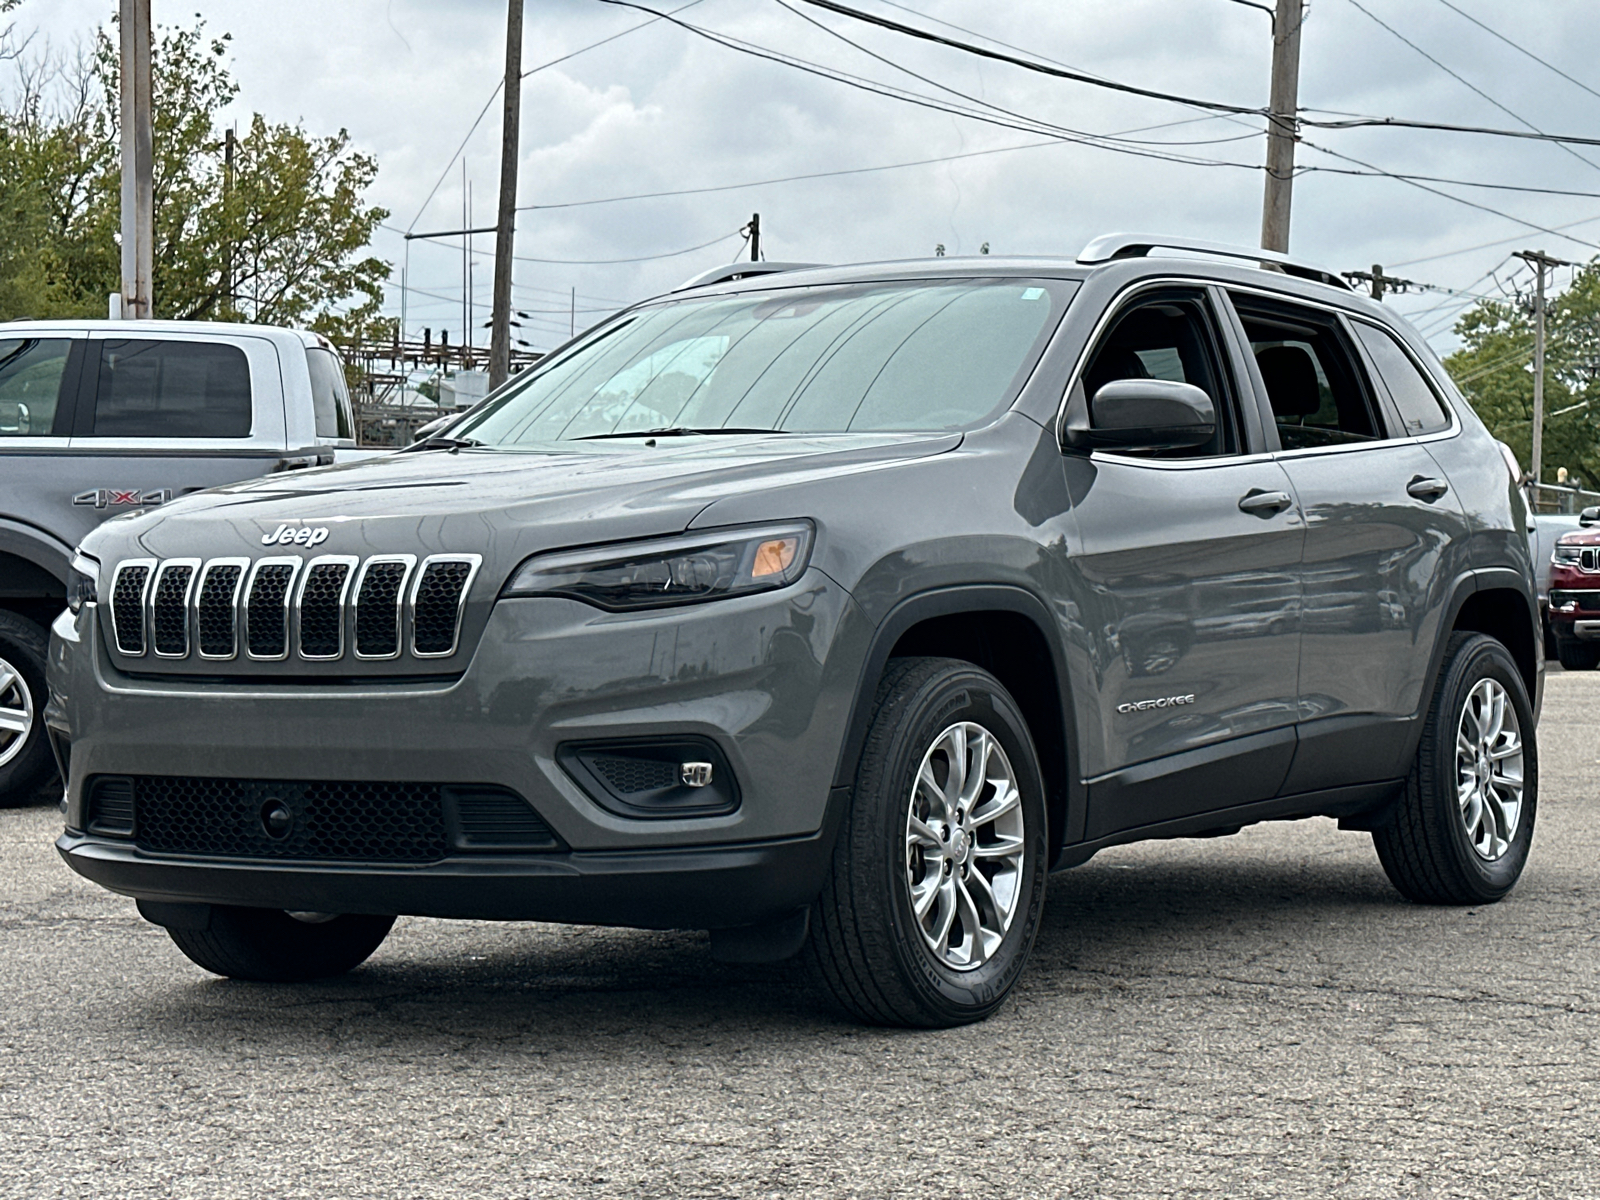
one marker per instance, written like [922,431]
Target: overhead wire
[1518,48]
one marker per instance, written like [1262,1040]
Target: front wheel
[25,758]
[267,945]
[1464,822]
[934,895]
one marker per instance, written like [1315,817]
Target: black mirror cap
[1589,516]
[1141,414]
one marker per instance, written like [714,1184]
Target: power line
[478,120]
[1520,49]
[606,262]
[1361,8]
[1411,262]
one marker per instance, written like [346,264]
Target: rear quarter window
[171,389]
[1420,408]
[330,395]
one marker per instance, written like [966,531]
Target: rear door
[160,414]
[1190,572]
[39,371]
[1384,539]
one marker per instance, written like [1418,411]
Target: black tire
[866,948]
[1576,655]
[266,945]
[1426,849]
[23,647]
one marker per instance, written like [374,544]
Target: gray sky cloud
[661,109]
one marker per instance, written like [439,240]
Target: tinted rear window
[330,396]
[1421,410]
[162,389]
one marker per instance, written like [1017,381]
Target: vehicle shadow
[455,987]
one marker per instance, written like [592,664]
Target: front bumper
[1573,607]
[709,887]
[769,679]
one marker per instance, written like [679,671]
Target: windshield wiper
[675,431]
[443,443]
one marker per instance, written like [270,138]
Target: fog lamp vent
[681,777]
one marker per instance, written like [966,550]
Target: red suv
[1575,599]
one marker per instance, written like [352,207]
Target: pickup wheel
[937,883]
[25,758]
[1576,655]
[267,945]
[1463,824]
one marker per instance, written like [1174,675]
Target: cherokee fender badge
[1134,706]
[306,535]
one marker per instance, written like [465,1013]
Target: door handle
[1427,489]
[1265,504]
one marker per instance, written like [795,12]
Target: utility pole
[505,226]
[138,199]
[227,210]
[1380,282]
[1540,262]
[1284,125]
[755,237]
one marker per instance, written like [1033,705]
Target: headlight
[1567,556]
[83,582]
[668,571]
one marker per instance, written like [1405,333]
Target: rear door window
[170,389]
[330,395]
[30,384]
[1421,411]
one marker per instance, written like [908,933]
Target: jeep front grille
[278,607]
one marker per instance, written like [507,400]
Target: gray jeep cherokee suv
[827,610]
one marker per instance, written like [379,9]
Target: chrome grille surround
[164,607]
[431,568]
[368,617]
[213,586]
[276,612]
[318,617]
[127,611]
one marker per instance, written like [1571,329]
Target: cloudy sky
[661,108]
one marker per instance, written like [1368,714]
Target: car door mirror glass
[1145,414]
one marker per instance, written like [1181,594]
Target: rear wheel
[25,758]
[934,895]
[1464,823]
[267,945]
[1576,655]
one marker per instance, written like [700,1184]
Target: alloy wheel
[965,844]
[16,712]
[1489,769]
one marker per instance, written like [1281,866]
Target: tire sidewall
[1485,659]
[963,695]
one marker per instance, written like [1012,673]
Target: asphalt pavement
[1258,1015]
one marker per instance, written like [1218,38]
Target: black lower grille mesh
[378,610]
[335,821]
[629,775]
[437,606]
[127,608]
[214,610]
[267,627]
[169,611]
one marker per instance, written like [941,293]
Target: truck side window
[1318,393]
[1417,402]
[30,384]
[330,395]
[162,389]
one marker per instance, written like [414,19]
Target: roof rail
[739,270]
[1138,245]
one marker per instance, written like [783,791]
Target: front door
[1190,563]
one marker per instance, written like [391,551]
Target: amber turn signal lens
[773,557]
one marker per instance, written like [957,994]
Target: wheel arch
[1497,605]
[1010,633]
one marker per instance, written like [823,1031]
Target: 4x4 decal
[106,497]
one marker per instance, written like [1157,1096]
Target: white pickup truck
[99,418]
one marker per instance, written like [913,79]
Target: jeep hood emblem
[306,535]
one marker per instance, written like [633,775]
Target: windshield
[925,355]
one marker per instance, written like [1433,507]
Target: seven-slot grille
[1589,559]
[317,610]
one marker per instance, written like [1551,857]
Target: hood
[504,504]
[1580,537]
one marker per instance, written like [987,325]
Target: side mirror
[1142,414]
[1589,516]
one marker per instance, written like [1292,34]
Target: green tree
[1494,368]
[278,237]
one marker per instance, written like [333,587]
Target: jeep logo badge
[305,536]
